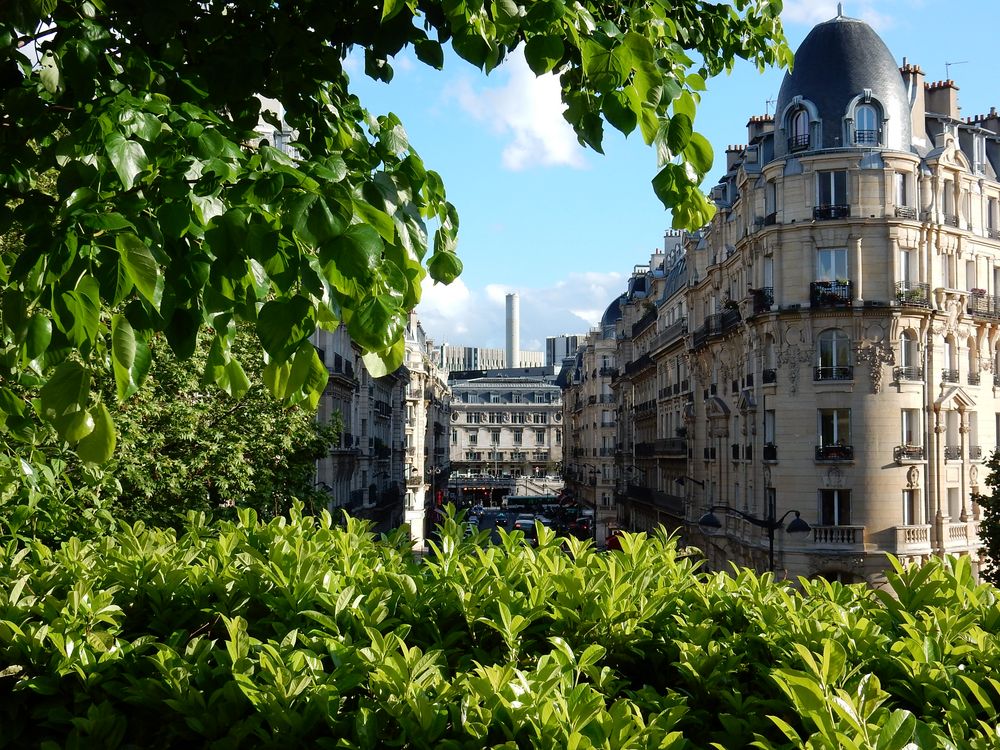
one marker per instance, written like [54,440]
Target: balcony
[769,376]
[715,325]
[608,372]
[798,142]
[866,137]
[841,537]
[830,294]
[903,453]
[670,446]
[973,378]
[831,211]
[961,535]
[763,298]
[975,452]
[951,220]
[771,219]
[638,365]
[953,453]
[900,374]
[770,452]
[912,294]
[906,212]
[983,305]
[845,372]
[949,376]
[913,538]
[834,452]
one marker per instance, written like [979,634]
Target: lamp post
[710,524]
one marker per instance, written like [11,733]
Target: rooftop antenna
[947,68]
[767,105]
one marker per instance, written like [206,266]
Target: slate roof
[836,62]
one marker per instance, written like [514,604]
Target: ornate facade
[845,318]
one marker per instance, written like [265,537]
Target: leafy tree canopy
[181,446]
[168,215]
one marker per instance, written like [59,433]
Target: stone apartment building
[837,349]
[393,447]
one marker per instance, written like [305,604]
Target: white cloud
[458,315]
[811,12]
[527,110]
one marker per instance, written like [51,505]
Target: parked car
[501,519]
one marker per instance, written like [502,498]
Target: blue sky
[564,226]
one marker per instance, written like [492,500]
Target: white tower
[513,330]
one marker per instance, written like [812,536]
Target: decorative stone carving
[834,478]
[875,354]
[913,477]
[974,475]
[767,476]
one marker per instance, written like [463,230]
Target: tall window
[517,437]
[799,138]
[909,507]
[831,188]
[866,125]
[834,361]
[474,437]
[834,427]
[769,426]
[908,358]
[540,437]
[991,214]
[906,267]
[770,198]
[835,507]
[911,427]
[454,437]
[474,417]
[831,263]
[495,437]
[902,194]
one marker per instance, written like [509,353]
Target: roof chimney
[942,98]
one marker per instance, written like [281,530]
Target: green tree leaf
[128,158]
[142,268]
[130,356]
[99,445]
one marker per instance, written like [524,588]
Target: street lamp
[710,524]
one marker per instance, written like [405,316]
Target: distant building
[558,348]
[392,452]
[506,426]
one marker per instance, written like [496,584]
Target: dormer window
[799,129]
[866,125]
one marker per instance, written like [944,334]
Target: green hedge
[301,632]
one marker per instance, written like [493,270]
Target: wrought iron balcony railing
[830,294]
[908,453]
[913,294]
[834,452]
[844,372]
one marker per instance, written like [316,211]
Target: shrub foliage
[302,632]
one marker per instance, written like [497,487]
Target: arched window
[798,130]
[834,356]
[909,363]
[866,125]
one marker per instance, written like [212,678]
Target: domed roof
[613,314]
[836,63]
